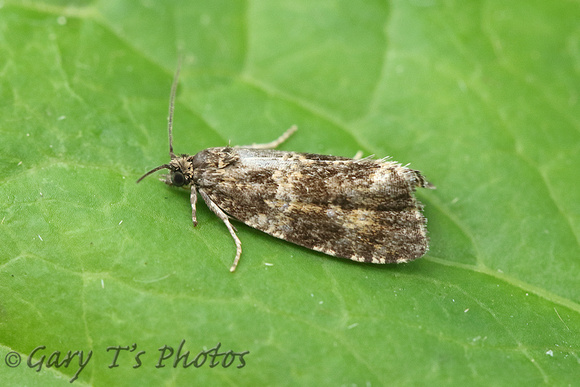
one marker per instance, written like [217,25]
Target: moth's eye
[177,179]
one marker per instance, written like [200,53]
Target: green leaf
[482,97]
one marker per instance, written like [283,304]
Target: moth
[361,209]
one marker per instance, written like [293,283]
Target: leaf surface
[481,97]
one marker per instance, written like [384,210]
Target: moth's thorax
[215,158]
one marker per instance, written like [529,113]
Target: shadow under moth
[360,209]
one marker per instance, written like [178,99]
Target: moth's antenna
[164,166]
[171,105]
[169,122]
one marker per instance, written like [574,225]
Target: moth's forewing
[364,210]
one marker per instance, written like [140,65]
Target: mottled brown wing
[364,210]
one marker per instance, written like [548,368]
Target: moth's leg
[193,199]
[222,215]
[275,143]
[358,155]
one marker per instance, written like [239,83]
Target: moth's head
[180,172]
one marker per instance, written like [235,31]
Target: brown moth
[360,209]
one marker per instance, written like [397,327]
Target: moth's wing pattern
[363,210]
